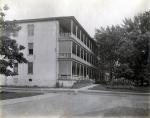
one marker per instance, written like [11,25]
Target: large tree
[129,46]
[10,51]
[138,32]
[109,40]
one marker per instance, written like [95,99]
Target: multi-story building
[58,49]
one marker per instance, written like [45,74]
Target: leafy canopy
[10,51]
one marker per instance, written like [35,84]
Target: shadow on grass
[122,88]
[126,111]
[119,112]
[12,95]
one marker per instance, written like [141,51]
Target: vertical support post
[79,72]
[80,52]
[75,68]
[71,27]
[83,38]
[83,72]
[71,70]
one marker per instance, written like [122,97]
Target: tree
[10,51]
[129,46]
[138,32]
[109,40]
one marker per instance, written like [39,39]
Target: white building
[57,49]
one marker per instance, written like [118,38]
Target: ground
[113,88]
[11,95]
[70,105]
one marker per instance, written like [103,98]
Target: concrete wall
[44,57]
[66,83]
[65,47]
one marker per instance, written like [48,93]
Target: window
[78,69]
[82,70]
[82,37]
[84,40]
[78,51]
[30,47]
[30,29]
[91,46]
[73,68]
[74,29]
[16,68]
[30,67]
[87,57]
[74,48]
[88,42]
[78,33]
[82,56]
[91,59]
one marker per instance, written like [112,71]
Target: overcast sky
[91,14]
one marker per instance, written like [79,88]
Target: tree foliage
[129,46]
[10,51]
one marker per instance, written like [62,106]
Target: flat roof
[53,19]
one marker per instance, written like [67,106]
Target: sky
[91,14]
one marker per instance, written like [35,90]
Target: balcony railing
[64,55]
[65,34]
[64,77]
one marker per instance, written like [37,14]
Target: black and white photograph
[74,58]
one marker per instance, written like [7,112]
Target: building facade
[57,49]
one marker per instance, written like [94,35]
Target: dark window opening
[30,67]
[73,68]
[30,51]
[74,48]
[30,47]
[78,51]
[78,69]
[84,55]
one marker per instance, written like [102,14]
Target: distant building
[58,50]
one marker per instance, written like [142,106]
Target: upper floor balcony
[71,29]
[73,56]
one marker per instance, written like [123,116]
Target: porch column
[75,68]
[79,72]
[71,71]
[80,52]
[83,72]
[71,27]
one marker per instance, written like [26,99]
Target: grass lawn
[12,95]
[111,88]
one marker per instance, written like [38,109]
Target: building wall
[53,53]
[43,58]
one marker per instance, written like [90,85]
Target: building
[58,50]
